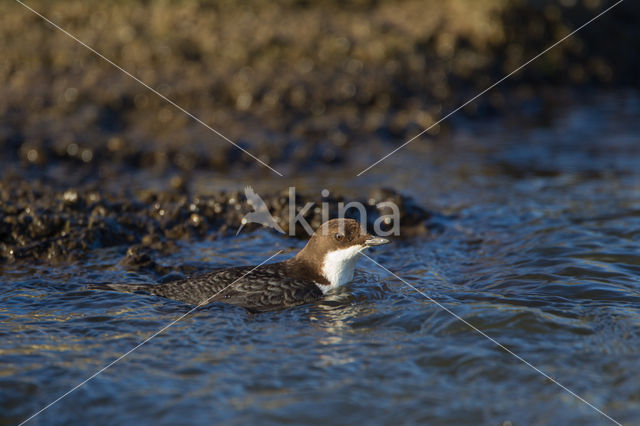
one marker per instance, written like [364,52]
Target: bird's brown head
[334,249]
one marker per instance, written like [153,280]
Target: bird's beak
[375,241]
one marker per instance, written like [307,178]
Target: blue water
[539,247]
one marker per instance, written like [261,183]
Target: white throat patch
[338,267]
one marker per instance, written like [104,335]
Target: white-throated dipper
[326,262]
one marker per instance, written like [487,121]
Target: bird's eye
[339,236]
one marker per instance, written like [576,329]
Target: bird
[260,214]
[326,262]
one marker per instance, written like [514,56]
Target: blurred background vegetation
[295,82]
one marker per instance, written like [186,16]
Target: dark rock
[40,222]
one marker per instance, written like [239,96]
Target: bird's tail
[123,288]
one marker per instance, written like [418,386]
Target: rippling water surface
[539,247]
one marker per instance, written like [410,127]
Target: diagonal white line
[491,87]
[151,89]
[500,345]
[204,302]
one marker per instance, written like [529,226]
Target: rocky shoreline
[41,223]
[302,85]
[298,84]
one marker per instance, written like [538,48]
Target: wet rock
[138,258]
[39,222]
[414,219]
[70,196]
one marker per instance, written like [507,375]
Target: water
[539,248]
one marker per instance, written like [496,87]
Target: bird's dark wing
[261,289]
[271,295]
